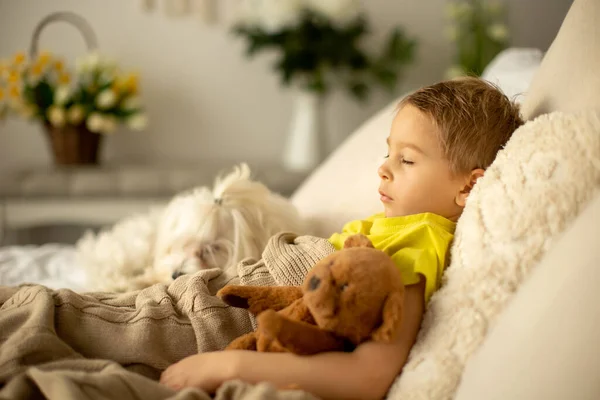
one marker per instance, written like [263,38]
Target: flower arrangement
[477,28]
[320,43]
[97,96]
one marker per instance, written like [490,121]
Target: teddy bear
[349,297]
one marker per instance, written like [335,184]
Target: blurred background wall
[205,100]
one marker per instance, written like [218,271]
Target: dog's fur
[198,229]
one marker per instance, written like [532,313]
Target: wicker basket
[70,145]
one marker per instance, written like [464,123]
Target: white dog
[198,229]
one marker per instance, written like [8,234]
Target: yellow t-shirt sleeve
[421,251]
[416,262]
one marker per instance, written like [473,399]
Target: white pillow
[546,174]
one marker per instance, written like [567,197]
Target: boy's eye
[407,162]
[387,156]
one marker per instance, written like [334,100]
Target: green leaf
[322,53]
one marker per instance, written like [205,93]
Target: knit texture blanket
[58,344]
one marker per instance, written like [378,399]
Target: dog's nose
[314,283]
[176,274]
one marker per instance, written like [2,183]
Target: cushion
[543,345]
[568,79]
[527,197]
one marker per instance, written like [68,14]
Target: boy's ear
[471,179]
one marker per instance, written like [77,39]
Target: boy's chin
[391,213]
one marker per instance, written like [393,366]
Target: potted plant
[478,30]
[319,45]
[76,108]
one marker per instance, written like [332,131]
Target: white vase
[304,147]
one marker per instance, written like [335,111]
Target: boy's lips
[384,197]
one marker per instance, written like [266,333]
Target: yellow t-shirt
[418,244]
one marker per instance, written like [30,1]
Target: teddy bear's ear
[392,318]
[357,240]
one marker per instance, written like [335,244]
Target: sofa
[534,338]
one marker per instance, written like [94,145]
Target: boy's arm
[366,373]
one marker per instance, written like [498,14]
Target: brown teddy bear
[351,296]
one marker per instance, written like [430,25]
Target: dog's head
[356,293]
[217,228]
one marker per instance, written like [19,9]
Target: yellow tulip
[131,83]
[37,70]
[14,92]
[64,78]
[2,94]
[19,58]
[59,65]
[44,57]
[13,76]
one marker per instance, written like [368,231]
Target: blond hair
[475,119]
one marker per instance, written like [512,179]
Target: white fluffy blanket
[538,184]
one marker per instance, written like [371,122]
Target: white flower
[88,62]
[248,13]
[271,15]
[56,116]
[137,122]
[95,122]
[106,99]
[62,95]
[498,32]
[131,103]
[338,11]
[76,114]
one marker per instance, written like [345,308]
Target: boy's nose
[383,172]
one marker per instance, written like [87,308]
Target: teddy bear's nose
[314,283]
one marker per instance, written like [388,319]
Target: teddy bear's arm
[295,336]
[259,298]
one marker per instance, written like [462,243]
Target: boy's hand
[205,371]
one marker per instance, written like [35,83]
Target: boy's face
[416,177]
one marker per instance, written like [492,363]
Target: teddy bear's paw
[270,323]
[357,240]
[235,296]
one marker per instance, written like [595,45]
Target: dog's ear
[391,318]
[357,240]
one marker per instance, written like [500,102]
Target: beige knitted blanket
[58,344]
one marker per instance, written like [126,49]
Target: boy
[442,139]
